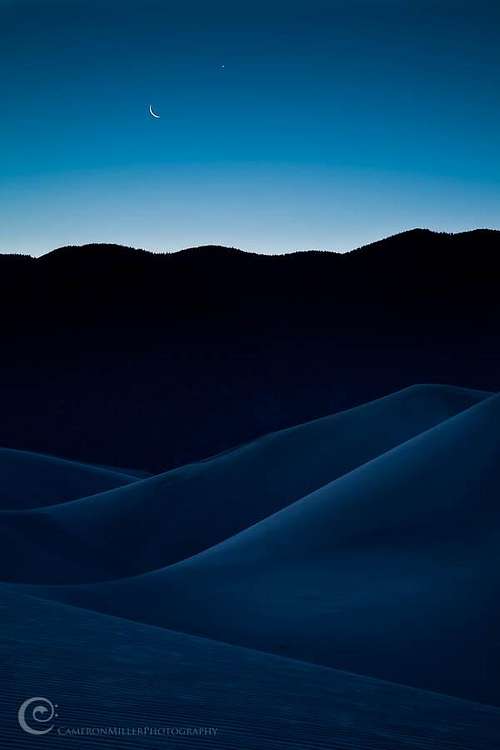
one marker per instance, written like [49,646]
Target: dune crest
[170,517]
[387,568]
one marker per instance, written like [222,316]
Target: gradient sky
[330,125]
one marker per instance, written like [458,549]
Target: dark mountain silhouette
[177,356]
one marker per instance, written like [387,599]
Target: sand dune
[172,516]
[328,586]
[31,480]
[390,570]
[104,671]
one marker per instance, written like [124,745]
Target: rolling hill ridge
[232,344]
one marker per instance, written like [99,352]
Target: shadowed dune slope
[391,570]
[103,671]
[31,480]
[170,517]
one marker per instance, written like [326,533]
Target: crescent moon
[153,114]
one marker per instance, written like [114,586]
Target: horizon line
[155,251]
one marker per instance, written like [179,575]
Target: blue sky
[283,126]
